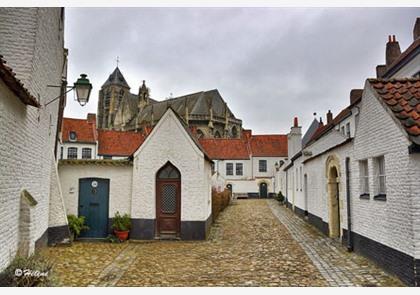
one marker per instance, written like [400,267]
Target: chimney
[246,134]
[355,95]
[91,118]
[294,139]
[393,50]
[329,117]
[380,71]
[416,30]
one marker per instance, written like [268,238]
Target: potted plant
[76,225]
[121,225]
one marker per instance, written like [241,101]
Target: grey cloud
[270,64]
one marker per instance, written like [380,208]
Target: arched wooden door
[263,190]
[168,201]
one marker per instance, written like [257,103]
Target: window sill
[380,197]
[365,196]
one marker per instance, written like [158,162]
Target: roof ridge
[406,79]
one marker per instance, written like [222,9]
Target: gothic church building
[204,111]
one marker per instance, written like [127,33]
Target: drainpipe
[349,237]
[287,187]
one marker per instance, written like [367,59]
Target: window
[234,132]
[61,152]
[380,184]
[72,153]
[342,130]
[200,133]
[106,157]
[364,178]
[297,179]
[86,153]
[262,165]
[72,136]
[348,129]
[217,134]
[229,168]
[239,169]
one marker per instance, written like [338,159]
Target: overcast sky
[269,64]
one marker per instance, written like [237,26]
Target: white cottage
[357,178]
[165,187]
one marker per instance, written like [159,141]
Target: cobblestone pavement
[337,266]
[248,246]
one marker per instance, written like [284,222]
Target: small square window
[262,165]
[86,153]
[229,168]
[72,153]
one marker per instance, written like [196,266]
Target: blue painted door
[93,204]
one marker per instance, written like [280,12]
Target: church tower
[111,95]
[144,96]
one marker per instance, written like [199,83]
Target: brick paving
[252,243]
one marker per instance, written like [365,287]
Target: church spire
[116,78]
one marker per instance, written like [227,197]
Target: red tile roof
[85,130]
[402,97]
[15,85]
[118,143]
[269,145]
[225,149]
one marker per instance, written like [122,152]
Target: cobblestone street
[253,243]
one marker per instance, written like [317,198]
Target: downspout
[287,188]
[349,236]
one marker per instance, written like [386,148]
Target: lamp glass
[83,88]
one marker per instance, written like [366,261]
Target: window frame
[260,166]
[348,132]
[83,153]
[364,179]
[73,154]
[241,166]
[229,168]
[70,135]
[380,173]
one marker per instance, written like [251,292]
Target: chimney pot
[392,51]
[380,71]
[329,117]
[355,94]
[295,122]
[389,38]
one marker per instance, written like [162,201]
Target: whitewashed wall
[390,222]
[169,141]
[31,40]
[120,185]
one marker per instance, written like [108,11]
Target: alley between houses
[252,243]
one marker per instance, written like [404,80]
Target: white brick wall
[170,142]
[120,185]
[32,43]
[390,222]
[415,196]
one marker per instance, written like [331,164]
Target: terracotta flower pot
[121,235]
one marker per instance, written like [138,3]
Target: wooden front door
[93,205]
[168,201]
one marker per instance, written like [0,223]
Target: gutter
[349,236]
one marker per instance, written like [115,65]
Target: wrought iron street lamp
[83,88]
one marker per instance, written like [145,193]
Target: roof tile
[85,130]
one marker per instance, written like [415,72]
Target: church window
[364,178]
[72,153]
[234,132]
[217,134]
[72,136]
[229,168]
[86,153]
[239,169]
[262,165]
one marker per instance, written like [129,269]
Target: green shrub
[121,223]
[34,271]
[76,224]
[280,197]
